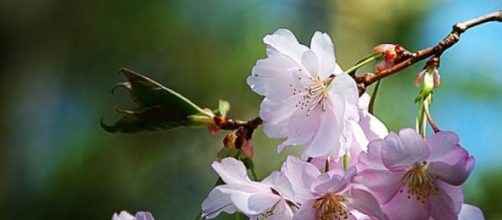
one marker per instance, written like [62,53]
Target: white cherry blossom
[308,98]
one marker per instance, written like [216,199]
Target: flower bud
[392,53]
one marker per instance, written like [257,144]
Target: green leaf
[223,107]
[159,108]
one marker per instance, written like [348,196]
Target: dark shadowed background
[59,60]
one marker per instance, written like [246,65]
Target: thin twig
[367,79]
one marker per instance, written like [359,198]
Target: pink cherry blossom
[308,98]
[329,195]
[415,178]
[269,198]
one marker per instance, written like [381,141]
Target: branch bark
[451,39]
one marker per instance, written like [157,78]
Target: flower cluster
[351,166]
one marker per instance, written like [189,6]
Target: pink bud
[247,149]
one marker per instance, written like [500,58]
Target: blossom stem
[371,106]
[253,174]
[364,62]
[431,121]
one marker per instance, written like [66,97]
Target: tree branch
[367,79]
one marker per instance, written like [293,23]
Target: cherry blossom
[367,129]
[123,215]
[269,198]
[308,98]
[329,195]
[415,178]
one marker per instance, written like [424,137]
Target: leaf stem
[364,62]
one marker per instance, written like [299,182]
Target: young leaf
[159,108]
[223,107]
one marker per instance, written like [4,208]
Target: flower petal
[383,184]
[322,46]
[285,42]
[401,207]
[281,212]
[366,203]
[446,204]
[329,182]
[123,215]
[260,202]
[309,61]
[327,137]
[231,171]
[372,127]
[306,211]
[441,144]
[345,86]
[372,159]
[469,212]
[215,203]
[404,150]
[144,216]
[302,127]
[301,175]
[453,174]
[274,76]
[276,115]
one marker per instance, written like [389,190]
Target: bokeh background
[59,60]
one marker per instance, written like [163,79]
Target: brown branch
[233,124]
[367,79]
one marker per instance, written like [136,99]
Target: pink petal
[366,203]
[383,184]
[323,48]
[441,144]
[404,150]
[455,174]
[306,211]
[372,159]
[231,171]
[329,182]
[400,207]
[285,42]
[446,204]
[469,212]
[301,175]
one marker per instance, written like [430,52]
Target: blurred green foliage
[59,62]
